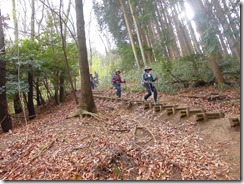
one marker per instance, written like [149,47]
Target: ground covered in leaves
[133,144]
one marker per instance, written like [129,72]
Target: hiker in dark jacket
[147,81]
[116,81]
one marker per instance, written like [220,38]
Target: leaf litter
[131,145]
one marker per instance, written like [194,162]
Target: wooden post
[158,108]
[147,105]
[201,117]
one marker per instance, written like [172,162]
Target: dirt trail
[133,144]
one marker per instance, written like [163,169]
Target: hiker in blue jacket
[116,81]
[147,81]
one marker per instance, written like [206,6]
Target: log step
[188,112]
[234,122]
[138,102]
[158,108]
[173,110]
[147,105]
[210,115]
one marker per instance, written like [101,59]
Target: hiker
[93,84]
[96,77]
[116,81]
[147,82]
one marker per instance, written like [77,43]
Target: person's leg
[92,86]
[119,91]
[149,93]
[155,94]
[118,88]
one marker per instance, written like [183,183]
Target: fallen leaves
[130,145]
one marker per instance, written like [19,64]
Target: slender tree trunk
[63,38]
[86,99]
[61,87]
[30,104]
[130,34]
[49,94]
[38,93]
[17,104]
[16,99]
[138,34]
[5,120]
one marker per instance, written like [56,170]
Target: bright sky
[6,9]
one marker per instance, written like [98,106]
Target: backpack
[112,78]
[142,77]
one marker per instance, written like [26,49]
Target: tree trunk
[17,104]
[138,34]
[130,34]
[30,104]
[5,120]
[68,70]
[16,99]
[39,99]
[16,34]
[202,25]
[61,87]
[86,99]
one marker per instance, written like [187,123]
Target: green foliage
[210,40]
[2,89]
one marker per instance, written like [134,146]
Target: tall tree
[138,33]
[86,98]
[209,39]
[63,39]
[5,120]
[17,102]
[30,103]
[128,26]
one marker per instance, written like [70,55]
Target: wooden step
[173,110]
[234,122]
[209,115]
[187,112]
[147,105]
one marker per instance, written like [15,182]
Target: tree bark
[86,99]
[30,104]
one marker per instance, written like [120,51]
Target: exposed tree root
[82,113]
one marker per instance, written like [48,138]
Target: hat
[147,68]
[117,70]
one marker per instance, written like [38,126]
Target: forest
[55,125]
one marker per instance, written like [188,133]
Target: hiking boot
[155,102]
